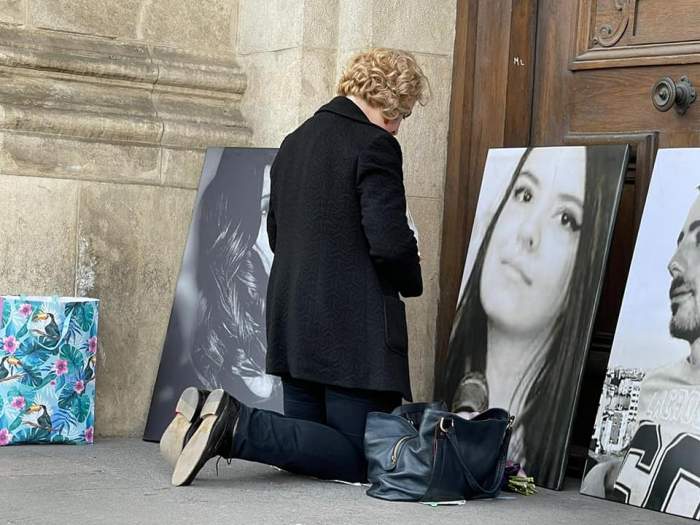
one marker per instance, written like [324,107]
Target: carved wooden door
[597,62]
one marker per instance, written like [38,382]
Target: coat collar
[345,107]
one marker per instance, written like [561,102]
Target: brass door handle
[666,93]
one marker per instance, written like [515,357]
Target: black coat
[343,252]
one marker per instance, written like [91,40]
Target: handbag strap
[500,468]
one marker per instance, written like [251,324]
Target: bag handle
[500,468]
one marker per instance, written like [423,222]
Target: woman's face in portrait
[262,245]
[529,260]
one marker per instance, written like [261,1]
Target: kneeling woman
[336,328]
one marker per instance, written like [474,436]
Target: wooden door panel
[630,22]
[617,100]
[661,21]
[622,33]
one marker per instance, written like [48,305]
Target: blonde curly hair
[389,79]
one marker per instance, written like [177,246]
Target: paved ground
[125,481]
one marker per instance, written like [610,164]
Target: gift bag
[47,369]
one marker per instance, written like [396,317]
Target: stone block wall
[106,109]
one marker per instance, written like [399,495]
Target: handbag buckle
[442,424]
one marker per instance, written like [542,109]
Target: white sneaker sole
[173,439]
[190,458]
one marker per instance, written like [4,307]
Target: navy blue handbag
[422,452]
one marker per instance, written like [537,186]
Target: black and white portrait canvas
[529,292]
[645,448]
[216,336]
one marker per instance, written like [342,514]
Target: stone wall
[293,52]
[105,111]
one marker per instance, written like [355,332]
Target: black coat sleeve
[271,228]
[271,223]
[392,245]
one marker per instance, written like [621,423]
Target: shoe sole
[173,440]
[191,458]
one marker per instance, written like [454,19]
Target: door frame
[491,106]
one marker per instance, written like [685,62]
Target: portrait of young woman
[216,335]
[529,294]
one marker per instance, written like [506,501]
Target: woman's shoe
[213,436]
[184,423]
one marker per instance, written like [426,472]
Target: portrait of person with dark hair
[232,271]
[217,336]
[645,449]
[525,314]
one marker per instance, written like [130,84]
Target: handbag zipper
[397,447]
[435,438]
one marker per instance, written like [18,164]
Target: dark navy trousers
[320,435]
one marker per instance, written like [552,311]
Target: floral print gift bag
[47,369]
